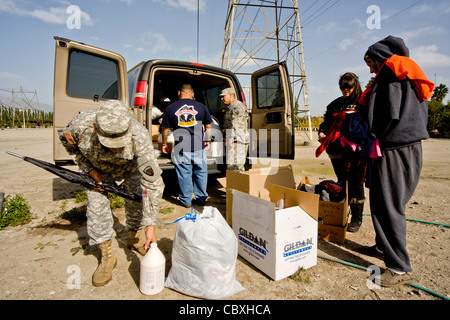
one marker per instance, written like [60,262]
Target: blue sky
[335,37]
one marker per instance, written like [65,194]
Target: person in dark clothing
[347,164]
[396,109]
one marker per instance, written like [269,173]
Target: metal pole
[13,108]
[303,68]
[23,107]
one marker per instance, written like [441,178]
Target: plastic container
[153,268]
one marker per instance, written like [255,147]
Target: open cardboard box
[333,217]
[255,182]
[278,242]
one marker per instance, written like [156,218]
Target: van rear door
[272,124]
[84,76]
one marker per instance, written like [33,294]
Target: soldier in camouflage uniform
[112,147]
[236,130]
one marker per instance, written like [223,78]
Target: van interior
[207,87]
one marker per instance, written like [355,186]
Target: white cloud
[358,23]
[431,9]
[7,78]
[344,44]
[188,5]
[329,28]
[356,69]
[429,57]
[10,6]
[150,43]
[425,31]
[53,15]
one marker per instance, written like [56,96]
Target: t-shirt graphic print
[186,116]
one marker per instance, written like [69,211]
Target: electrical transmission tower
[20,106]
[259,33]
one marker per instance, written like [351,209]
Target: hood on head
[384,49]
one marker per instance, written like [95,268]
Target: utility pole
[260,33]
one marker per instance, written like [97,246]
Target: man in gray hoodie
[396,110]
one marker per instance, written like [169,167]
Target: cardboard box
[155,132]
[277,242]
[331,213]
[255,182]
[332,233]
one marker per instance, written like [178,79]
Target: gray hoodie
[395,114]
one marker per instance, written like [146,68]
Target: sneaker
[391,279]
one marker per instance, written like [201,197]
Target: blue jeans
[192,173]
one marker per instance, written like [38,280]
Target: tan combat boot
[103,274]
[136,241]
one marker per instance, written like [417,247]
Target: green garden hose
[367,269]
[428,222]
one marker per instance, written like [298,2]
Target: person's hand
[165,149]
[150,236]
[97,176]
[370,83]
[207,143]
[322,137]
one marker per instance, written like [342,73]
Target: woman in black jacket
[346,163]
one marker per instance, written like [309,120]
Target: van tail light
[140,96]
[243,96]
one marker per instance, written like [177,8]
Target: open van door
[84,76]
[272,123]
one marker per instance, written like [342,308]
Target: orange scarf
[403,67]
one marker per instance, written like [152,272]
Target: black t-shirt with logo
[187,117]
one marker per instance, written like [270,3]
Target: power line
[332,5]
[362,31]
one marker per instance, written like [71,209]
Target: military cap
[227,91]
[113,122]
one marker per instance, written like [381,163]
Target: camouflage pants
[236,156]
[138,214]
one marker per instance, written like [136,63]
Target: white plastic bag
[204,257]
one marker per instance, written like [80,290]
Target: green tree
[440,92]
[438,113]
[434,111]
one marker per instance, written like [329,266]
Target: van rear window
[93,77]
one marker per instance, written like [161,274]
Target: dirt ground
[39,260]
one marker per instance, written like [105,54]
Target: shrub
[17,212]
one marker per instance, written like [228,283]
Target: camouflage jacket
[87,151]
[236,122]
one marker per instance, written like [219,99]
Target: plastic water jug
[153,267]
